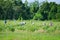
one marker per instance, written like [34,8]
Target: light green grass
[29,31]
[28,36]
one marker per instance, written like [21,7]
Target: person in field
[5,21]
[51,24]
[22,23]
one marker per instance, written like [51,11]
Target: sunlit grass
[28,31]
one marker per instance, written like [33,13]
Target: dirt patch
[41,31]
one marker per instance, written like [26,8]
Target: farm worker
[5,21]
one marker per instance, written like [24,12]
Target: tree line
[16,9]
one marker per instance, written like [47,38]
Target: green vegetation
[16,9]
[28,36]
[12,30]
[15,25]
[35,14]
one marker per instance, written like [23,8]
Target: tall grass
[12,30]
[12,25]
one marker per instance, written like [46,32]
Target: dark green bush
[1,28]
[11,28]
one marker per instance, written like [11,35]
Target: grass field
[12,30]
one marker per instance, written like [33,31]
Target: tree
[44,9]
[38,16]
[53,10]
[34,7]
[58,13]
[58,16]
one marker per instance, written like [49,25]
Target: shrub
[38,16]
[1,28]
[21,28]
[11,28]
[32,28]
[51,29]
[58,28]
[58,16]
[46,27]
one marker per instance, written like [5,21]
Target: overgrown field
[32,30]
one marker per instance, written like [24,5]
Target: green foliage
[16,9]
[28,35]
[11,28]
[53,10]
[32,28]
[1,28]
[45,27]
[21,28]
[44,9]
[58,28]
[38,16]
[52,29]
[58,16]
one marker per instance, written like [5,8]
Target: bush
[32,28]
[1,28]
[46,27]
[38,16]
[11,28]
[52,29]
[58,16]
[58,28]
[21,28]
